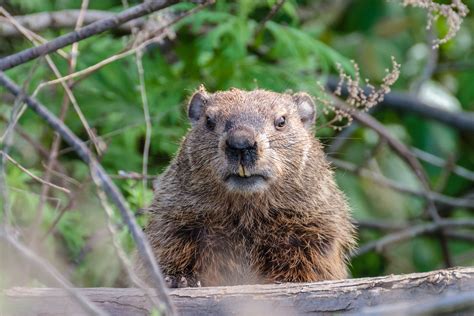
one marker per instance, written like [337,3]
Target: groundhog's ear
[306,108]
[196,105]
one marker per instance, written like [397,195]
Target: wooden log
[320,298]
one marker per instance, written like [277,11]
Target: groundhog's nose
[241,147]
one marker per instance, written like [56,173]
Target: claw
[169,282]
[183,282]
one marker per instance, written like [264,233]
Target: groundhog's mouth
[251,183]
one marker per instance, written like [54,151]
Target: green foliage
[220,48]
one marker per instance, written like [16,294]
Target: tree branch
[404,152]
[466,202]
[83,33]
[399,101]
[412,232]
[38,22]
[108,186]
[39,262]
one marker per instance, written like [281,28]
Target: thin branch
[6,141]
[382,180]
[462,120]
[62,175]
[391,226]
[108,186]
[463,65]
[439,162]
[68,91]
[68,97]
[26,253]
[119,249]
[430,65]
[146,115]
[32,175]
[32,36]
[131,175]
[85,32]
[405,153]
[268,17]
[412,232]
[70,204]
[63,19]
[125,53]
[42,151]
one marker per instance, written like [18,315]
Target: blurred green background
[218,47]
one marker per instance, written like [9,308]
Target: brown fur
[297,230]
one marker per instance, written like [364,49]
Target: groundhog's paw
[181,281]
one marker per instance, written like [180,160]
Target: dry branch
[83,33]
[84,303]
[378,178]
[38,22]
[463,121]
[108,186]
[412,232]
[403,152]
[328,297]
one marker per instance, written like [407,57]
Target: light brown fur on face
[284,221]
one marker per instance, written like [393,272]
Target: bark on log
[321,298]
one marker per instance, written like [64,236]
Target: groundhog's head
[249,140]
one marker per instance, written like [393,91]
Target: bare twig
[260,27]
[463,121]
[26,253]
[32,175]
[42,151]
[52,159]
[380,179]
[131,175]
[108,186]
[409,158]
[464,65]
[62,211]
[430,65]
[425,76]
[21,29]
[391,226]
[119,249]
[63,176]
[436,161]
[146,115]
[6,141]
[85,32]
[63,19]
[411,233]
[68,91]
[69,96]
[159,33]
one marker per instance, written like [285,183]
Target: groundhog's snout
[241,148]
[241,152]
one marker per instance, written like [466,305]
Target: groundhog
[249,197]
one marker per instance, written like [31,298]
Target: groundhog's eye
[280,122]
[210,123]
